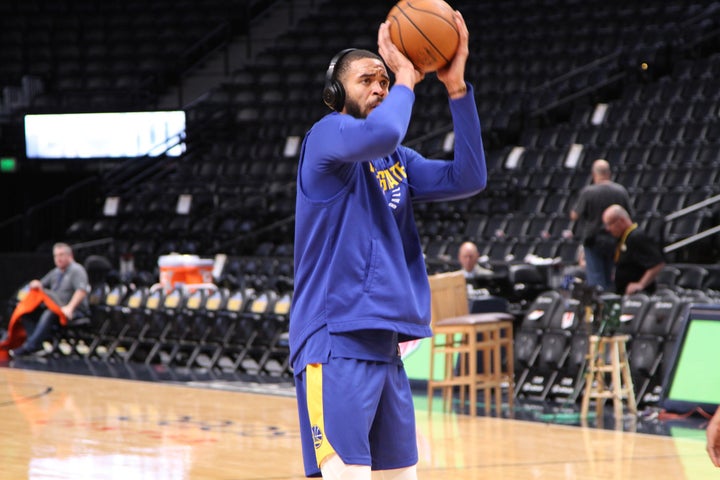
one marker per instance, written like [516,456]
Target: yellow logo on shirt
[390,178]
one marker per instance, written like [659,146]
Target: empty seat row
[204,327]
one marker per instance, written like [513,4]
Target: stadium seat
[152,344]
[117,315]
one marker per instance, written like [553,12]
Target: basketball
[425,32]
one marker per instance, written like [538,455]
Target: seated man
[64,293]
[479,281]
[638,258]
[468,256]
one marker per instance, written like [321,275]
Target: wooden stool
[459,338]
[620,387]
[496,334]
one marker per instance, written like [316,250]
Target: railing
[698,236]
[692,239]
[82,250]
[596,76]
[135,170]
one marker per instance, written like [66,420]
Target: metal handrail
[692,208]
[580,70]
[692,239]
[133,170]
[698,236]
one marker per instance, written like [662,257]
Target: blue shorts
[362,410]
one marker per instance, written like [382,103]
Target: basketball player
[360,280]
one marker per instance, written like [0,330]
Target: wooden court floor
[66,426]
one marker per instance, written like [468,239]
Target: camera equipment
[600,310]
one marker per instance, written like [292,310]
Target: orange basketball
[425,31]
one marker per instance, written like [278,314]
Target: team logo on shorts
[317,436]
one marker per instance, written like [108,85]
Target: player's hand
[404,70]
[453,74]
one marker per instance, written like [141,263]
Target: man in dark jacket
[638,258]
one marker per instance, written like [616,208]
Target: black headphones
[334,93]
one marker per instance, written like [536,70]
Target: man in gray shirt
[67,284]
[598,244]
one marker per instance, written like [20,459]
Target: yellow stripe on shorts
[313,377]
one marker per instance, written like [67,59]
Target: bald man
[598,244]
[638,257]
[468,256]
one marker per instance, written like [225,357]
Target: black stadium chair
[150,346]
[116,315]
[137,319]
[219,328]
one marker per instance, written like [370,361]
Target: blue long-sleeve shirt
[359,263]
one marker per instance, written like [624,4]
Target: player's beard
[353,108]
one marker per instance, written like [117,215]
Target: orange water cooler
[185,269]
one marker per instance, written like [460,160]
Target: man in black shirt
[638,258]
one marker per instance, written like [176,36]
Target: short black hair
[344,63]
